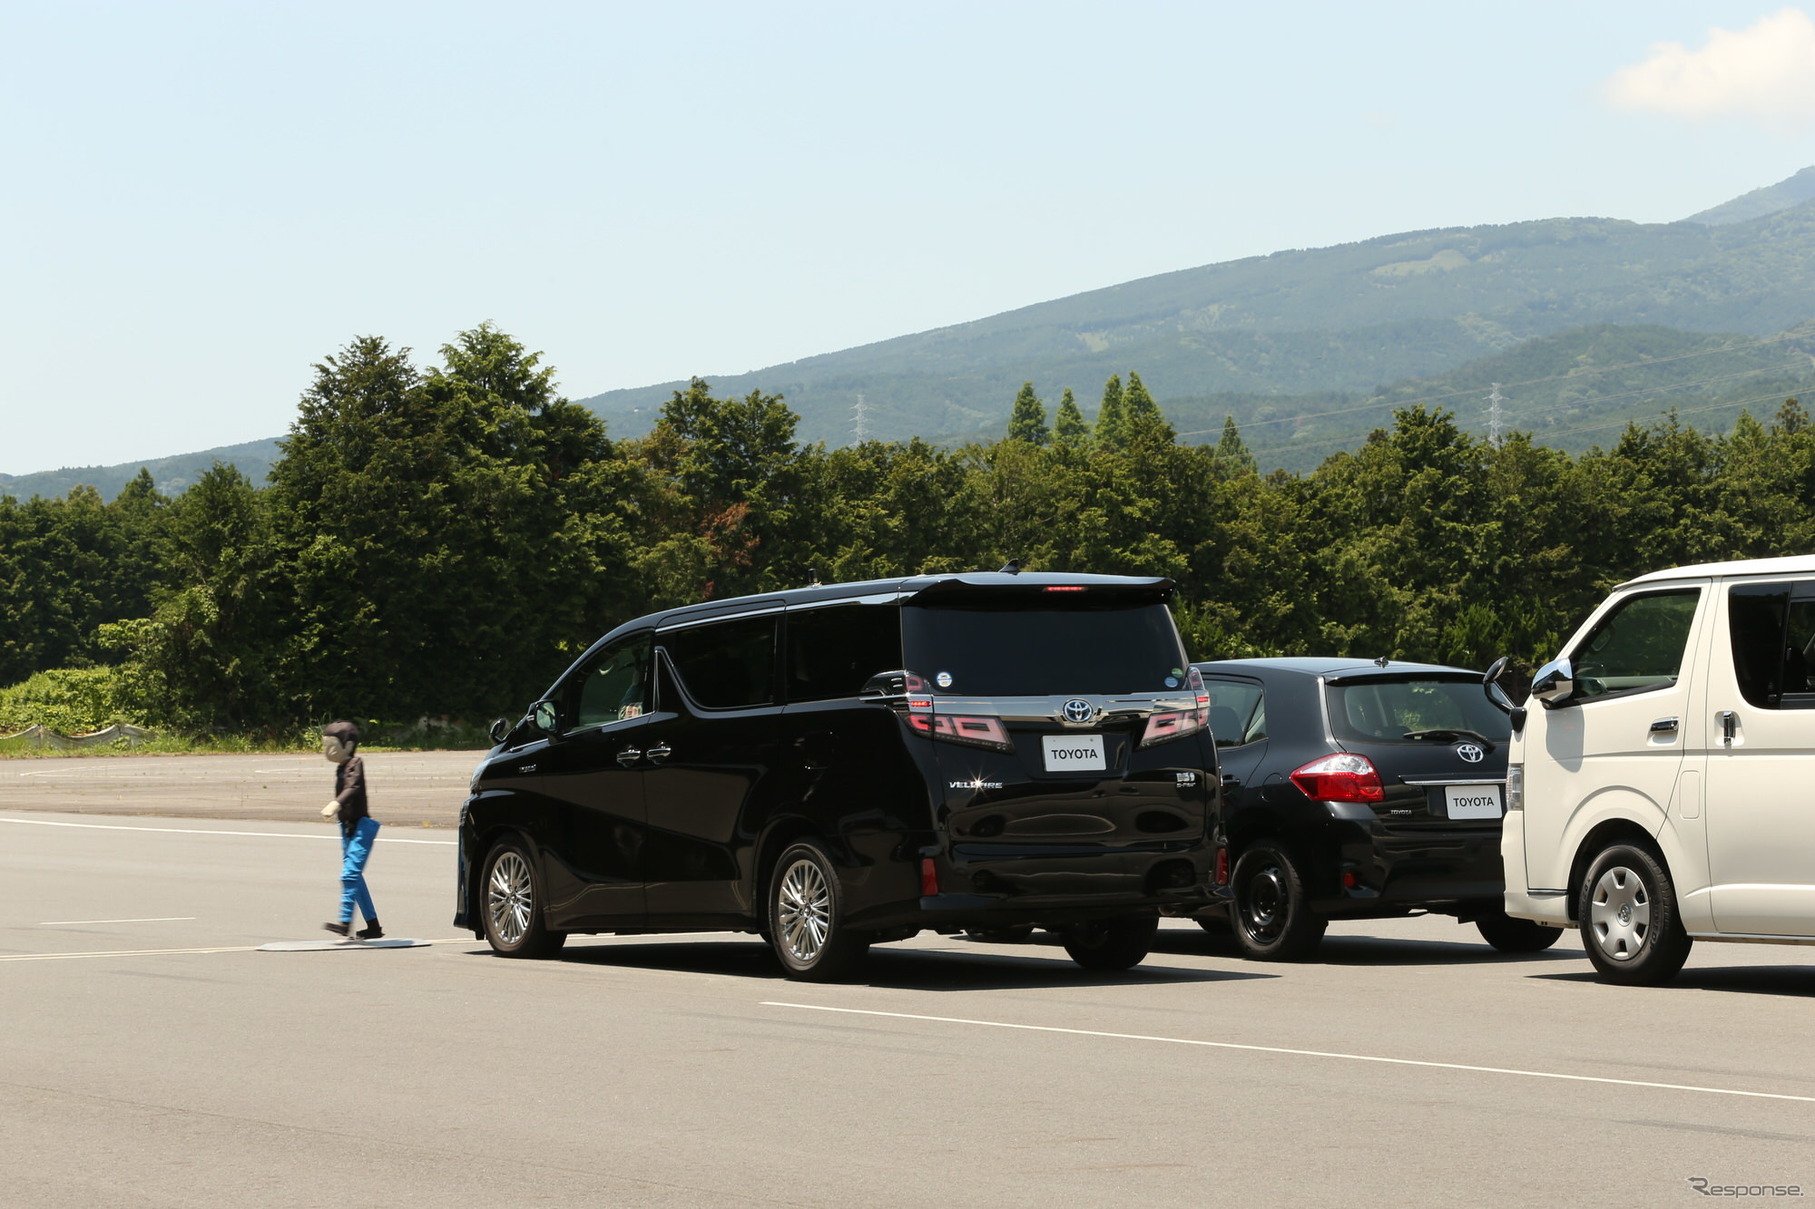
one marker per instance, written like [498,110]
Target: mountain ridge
[1358,321]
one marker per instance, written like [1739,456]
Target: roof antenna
[813,577]
[1011,567]
[1380,662]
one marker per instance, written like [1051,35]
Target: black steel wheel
[1511,935]
[511,891]
[1112,944]
[1272,913]
[806,917]
[1627,912]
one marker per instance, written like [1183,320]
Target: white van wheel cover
[1620,913]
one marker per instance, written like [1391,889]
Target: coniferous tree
[1068,426]
[1028,420]
[1232,453]
[1110,432]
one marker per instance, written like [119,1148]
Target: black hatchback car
[851,763]
[1359,790]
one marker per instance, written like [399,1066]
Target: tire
[1000,936]
[1272,914]
[1511,935]
[1627,912]
[511,895]
[806,917]
[1112,944]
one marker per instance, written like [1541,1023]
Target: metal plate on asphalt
[312,946]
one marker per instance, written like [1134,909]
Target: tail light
[1340,778]
[929,877]
[960,728]
[973,730]
[1176,724]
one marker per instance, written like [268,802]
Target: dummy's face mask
[335,750]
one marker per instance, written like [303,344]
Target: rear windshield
[1050,649]
[1375,711]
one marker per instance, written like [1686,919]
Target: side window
[1638,646]
[613,686]
[1771,628]
[726,664]
[832,651]
[1238,712]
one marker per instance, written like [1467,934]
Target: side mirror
[499,729]
[547,717]
[1555,683]
[1490,680]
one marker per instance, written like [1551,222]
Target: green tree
[1068,426]
[414,512]
[1232,455]
[1109,432]
[1028,420]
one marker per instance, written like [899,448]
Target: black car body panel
[1402,853]
[696,745]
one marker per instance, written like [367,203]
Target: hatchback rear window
[1004,648]
[1387,711]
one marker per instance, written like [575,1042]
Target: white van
[1666,789]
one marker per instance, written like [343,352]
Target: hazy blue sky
[201,200]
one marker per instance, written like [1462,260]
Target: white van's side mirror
[1555,683]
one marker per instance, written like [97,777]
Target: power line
[1380,401]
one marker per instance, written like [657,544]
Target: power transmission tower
[860,414]
[1496,416]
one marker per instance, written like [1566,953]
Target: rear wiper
[1446,736]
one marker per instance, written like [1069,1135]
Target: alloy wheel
[510,898]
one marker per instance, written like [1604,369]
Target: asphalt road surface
[151,1056]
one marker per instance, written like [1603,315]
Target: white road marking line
[1302,1053]
[263,835]
[458,940]
[153,919]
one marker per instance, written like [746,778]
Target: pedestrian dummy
[358,829]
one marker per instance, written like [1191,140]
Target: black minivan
[844,764]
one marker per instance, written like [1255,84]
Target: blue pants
[356,850]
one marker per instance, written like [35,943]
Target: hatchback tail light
[1340,778]
[1176,724]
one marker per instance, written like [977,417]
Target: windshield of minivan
[1374,711]
[1038,648]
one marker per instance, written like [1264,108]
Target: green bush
[71,701]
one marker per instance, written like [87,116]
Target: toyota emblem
[1470,753]
[1080,710]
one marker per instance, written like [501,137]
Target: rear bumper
[1377,868]
[1000,886]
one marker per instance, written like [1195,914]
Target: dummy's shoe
[371,931]
[338,929]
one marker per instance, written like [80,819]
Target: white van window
[1773,641]
[1638,646]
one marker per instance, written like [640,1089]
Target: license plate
[1074,753]
[1472,801]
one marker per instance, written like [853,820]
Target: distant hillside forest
[442,541]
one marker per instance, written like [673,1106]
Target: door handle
[1729,724]
[660,752]
[1664,726]
[629,756]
